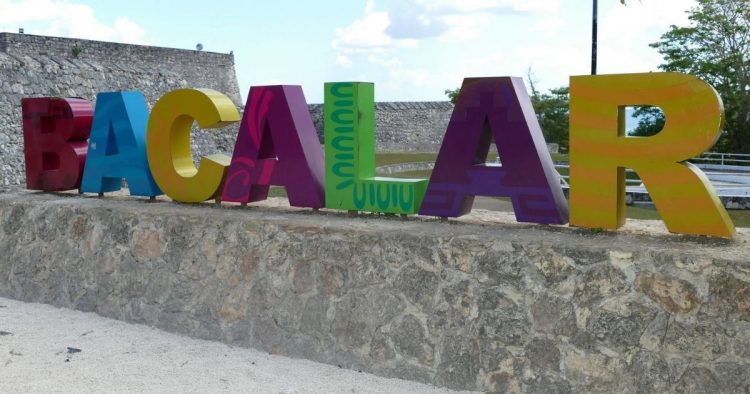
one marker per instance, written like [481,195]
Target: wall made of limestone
[494,307]
[403,126]
[34,66]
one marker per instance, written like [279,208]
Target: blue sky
[411,49]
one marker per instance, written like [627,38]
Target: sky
[413,50]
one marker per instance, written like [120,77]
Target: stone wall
[403,126]
[46,66]
[52,66]
[500,307]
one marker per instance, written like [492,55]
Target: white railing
[735,159]
[565,179]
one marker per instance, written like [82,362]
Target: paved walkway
[47,349]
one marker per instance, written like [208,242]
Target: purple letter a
[276,145]
[499,108]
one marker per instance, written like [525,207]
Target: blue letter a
[117,146]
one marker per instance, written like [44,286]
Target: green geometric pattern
[351,183]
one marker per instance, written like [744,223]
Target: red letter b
[55,131]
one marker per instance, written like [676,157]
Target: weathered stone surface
[456,308]
[593,372]
[600,282]
[418,286]
[459,364]
[543,354]
[502,319]
[622,327]
[650,372]
[554,315]
[730,296]
[502,308]
[706,340]
[410,340]
[733,377]
[698,380]
[541,384]
[674,295]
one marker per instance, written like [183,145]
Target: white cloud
[367,34]
[63,18]
[464,27]
[366,39]
[343,61]
[501,37]
[625,33]
[405,22]
[456,19]
[444,7]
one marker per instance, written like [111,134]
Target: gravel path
[47,349]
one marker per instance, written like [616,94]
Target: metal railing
[724,159]
[565,179]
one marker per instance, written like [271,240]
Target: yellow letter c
[168,143]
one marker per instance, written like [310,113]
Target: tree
[552,110]
[716,47]
[452,94]
[650,121]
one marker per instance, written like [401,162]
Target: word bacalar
[68,145]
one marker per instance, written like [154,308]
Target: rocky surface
[482,303]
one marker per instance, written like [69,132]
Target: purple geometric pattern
[500,108]
[276,145]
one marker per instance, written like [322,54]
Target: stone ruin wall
[403,126]
[51,66]
[476,304]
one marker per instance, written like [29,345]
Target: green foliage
[552,110]
[452,94]
[76,50]
[716,47]
[650,121]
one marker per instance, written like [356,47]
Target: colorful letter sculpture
[499,108]
[168,143]
[350,156]
[54,134]
[600,151]
[117,147]
[277,145]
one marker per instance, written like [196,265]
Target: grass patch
[741,218]
[277,191]
[559,157]
[384,159]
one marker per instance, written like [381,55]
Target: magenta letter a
[499,108]
[276,145]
